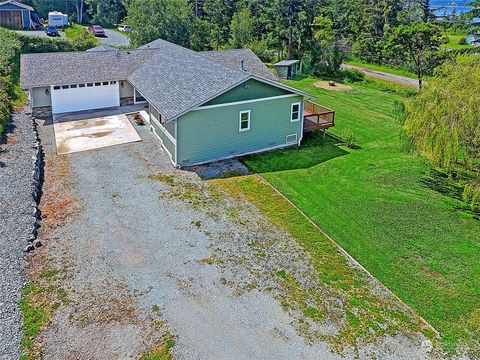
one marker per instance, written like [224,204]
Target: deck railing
[317,116]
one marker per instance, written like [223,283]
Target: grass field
[382,206]
[453,41]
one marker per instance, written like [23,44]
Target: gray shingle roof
[286,62]
[172,78]
[233,58]
[102,48]
[79,66]
[177,79]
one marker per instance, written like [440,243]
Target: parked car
[97,30]
[52,31]
[124,28]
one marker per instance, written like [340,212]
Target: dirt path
[142,250]
[397,79]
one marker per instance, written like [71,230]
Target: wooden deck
[317,117]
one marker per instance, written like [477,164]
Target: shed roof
[286,62]
[16,4]
[79,66]
[233,58]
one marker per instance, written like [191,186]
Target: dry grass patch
[337,87]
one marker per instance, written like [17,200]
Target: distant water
[443,7]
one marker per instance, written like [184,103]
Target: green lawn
[453,41]
[384,68]
[377,204]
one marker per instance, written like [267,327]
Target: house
[286,69]
[203,106]
[15,15]
[473,38]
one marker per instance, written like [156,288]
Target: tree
[80,9]
[170,20]
[443,121]
[417,44]
[241,28]
[326,57]
[106,12]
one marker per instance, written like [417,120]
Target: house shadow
[313,151]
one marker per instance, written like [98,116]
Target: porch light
[121,84]
[47,91]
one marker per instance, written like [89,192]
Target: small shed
[14,15]
[286,69]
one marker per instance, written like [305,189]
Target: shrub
[9,52]
[348,138]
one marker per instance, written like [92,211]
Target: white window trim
[299,111]
[240,120]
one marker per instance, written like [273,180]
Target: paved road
[38,33]
[397,79]
[114,38]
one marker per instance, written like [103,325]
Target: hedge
[11,45]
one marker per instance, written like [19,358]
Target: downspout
[303,119]
[176,143]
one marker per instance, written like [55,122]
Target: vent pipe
[242,65]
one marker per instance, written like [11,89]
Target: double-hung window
[295,113]
[244,121]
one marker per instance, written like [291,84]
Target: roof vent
[242,66]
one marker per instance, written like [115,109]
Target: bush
[9,53]
[348,138]
[32,44]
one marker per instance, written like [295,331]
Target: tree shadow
[448,186]
[313,151]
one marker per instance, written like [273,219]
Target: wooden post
[324,134]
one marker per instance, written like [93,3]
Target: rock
[29,247]
[427,346]
[37,243]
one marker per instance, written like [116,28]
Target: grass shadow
[313,151]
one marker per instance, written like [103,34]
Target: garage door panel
[84,98]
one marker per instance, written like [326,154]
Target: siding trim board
[243,102]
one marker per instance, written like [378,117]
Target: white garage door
[78,97]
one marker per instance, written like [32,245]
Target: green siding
[159,130]
[40,97]
[211,134]
[249,90]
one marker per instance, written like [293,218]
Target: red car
[97,30]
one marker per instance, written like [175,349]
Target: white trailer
[56,18]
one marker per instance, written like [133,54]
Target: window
[57,87]
[295,114]
[89,84]
[105,83]
[64,86]
[74,86]
[244,124]
[81,85]
[113,82]
[98,84]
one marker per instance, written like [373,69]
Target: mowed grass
[375,203]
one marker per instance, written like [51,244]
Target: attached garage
[88,96]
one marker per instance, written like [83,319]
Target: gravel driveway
[146,250]
[114,38]
[16,167]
